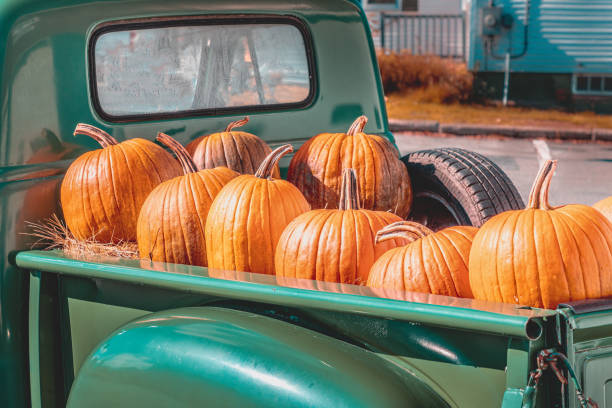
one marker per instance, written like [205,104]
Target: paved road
[584,172]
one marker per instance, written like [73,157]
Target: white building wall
[439,6]
[425,7]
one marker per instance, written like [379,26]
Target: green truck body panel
[81,331]
[589,344]
[242,359]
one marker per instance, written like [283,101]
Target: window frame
[367,6]
[590,91]
[186,21]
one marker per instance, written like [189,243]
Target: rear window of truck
[191,67]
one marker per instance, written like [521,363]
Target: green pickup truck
[108,332]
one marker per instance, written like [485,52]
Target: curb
[519,132]
[414,125]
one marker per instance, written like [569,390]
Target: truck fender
[210,356]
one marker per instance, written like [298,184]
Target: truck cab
[103,331]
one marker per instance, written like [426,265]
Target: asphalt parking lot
[584,172]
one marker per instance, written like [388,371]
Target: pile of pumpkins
[339,217]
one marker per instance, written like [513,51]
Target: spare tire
[457,187]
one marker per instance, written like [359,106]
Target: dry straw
[52,233]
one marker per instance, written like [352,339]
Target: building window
[410,5]
[404,5]
[592,84]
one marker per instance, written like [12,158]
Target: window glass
[596,83]
[176,69]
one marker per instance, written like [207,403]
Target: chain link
[550,358]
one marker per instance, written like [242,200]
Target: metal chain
[550,358]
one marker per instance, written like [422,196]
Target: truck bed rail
[468,314]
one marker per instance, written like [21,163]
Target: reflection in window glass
[173,69]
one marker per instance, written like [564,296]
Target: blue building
[559,49]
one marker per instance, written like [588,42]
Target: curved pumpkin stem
[180,152]
[409,230]
[357,126]
[349,191]
[267,165]
[544,205]
[237,123]
[538,196]
[98,135]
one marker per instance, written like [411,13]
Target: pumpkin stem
[267,165]
[237,123]
[544,205]
[538,196]
[357,126]
[179,151]
[409,230]
[98,135]
[349,191]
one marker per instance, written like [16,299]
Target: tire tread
[482,188]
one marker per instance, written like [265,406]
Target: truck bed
[78,304]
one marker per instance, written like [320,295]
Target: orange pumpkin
[103,189]
[239,151]
[384,184]
[542,255]
[334,245]
[605,207]
[433,262]
[248,216]
[172,219]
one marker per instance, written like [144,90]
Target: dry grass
[409,105]
[433,88]
[52,233]
[438,80]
